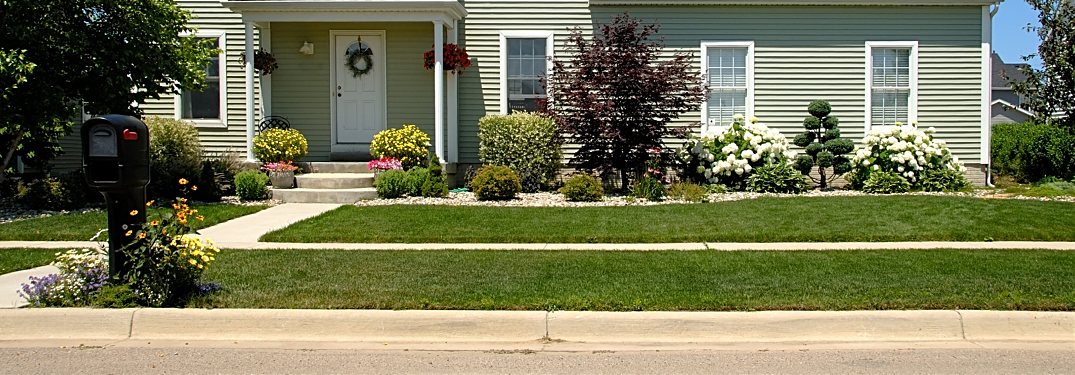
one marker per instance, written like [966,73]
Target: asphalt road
[147,360]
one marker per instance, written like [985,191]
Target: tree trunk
[10,154]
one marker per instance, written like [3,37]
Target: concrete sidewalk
[496,328]
[695,246]
[251,227]
[11,284]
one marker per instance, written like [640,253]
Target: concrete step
[306,195]
[339,167]
[334,180]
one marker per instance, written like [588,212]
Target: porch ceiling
[446,11]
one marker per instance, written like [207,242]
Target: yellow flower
[134,212]
[183,181]
[192,262]
[194,187]
[141,235]
[154,223]
[150,203]
[128,234]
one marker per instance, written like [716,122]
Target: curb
[455,326]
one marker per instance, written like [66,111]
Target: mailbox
[115,158]
[115,152]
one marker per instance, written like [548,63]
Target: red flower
[456,59]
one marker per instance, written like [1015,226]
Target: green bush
[115,297]
[76,192]
[251,185]
[943,180]
[408,144]
[41,194]
[716,189]
[496,182]
[275,145]
[649,188]
[529,143]
[416,178]
[687,191]
[435,186]
[175,152]
[583,188]
[393,184]
[881,182]
[778,178]
[218,177]
[1029,152]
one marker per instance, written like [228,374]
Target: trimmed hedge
[526,142]
[1029,152]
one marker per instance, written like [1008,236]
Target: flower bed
[902,149]
[728,155]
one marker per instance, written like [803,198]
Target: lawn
[798,219]
[82,226]
[668,280]
[12,260]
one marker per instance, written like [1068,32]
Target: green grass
[799,219]
[669,280]
[82,226]
[12,260]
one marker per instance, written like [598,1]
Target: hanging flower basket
[456,58]
[264,62]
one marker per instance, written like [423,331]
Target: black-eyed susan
[183,181]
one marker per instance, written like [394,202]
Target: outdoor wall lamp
[307,48]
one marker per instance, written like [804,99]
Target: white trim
[439,140]
[380,60]
[1007,105]
[704,63]
[453,105]
[912,99]
[248,46]
[348,11]
[987,92]
[265,36]
[222,72]
[513,34]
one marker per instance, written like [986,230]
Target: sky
[1010,38]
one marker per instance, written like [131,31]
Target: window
[206,106]
[728,68]
[891,76]
[524,62]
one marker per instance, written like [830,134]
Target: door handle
[339,95]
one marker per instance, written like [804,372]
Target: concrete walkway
[11,284]
[251,227]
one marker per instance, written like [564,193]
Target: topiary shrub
[496,182]
[435,186]
[648,188]
[904,150]
[687,192]
[175,152]
[939,180]
[778,178]
[583,188]
[886,183]
[728,155]
[529,143]
[824,147]
[393,184]
[251,185]
[276,145]
[408,144]
[416,178]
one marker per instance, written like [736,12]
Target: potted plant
[456,58]
[281,174]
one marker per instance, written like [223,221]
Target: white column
[265,41]
[438,89]
[453,105]
[249,26]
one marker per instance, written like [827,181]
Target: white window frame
[222,122]
[912,99]
[528,34]
[705,46]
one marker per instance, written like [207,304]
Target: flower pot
[282,179]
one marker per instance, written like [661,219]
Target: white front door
[360,100]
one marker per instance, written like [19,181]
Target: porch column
[438,89]
[249,28]
[453,105]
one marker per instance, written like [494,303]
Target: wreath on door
[356,52]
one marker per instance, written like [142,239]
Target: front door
[359,89]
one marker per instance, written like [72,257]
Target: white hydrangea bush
[902,149]
[728,154]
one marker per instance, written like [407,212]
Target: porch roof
[445,11]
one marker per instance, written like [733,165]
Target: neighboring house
[877,62]
[1006,105]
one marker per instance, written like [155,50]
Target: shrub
[649,188]
[393,184]
[687,191]
[219,179]
[76,192]
[416,178]
[496,182]
[1030,152]
[251,185]
[883,182]
[435,186]
[273,145]
[943,180]
[778,177]
[728,155]
[824,147]
[408,144]
[175,152]
[716,189]
[904,150]
[529,143]
[41,194]
[115,297]
[583,188]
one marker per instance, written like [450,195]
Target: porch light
[307,48]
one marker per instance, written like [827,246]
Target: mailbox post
[115,158]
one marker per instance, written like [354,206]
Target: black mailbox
[115,158]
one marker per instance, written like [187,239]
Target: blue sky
[1010,38]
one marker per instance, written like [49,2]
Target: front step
[307,195]
[334,180]
[338,167]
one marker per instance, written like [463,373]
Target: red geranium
[456,58]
